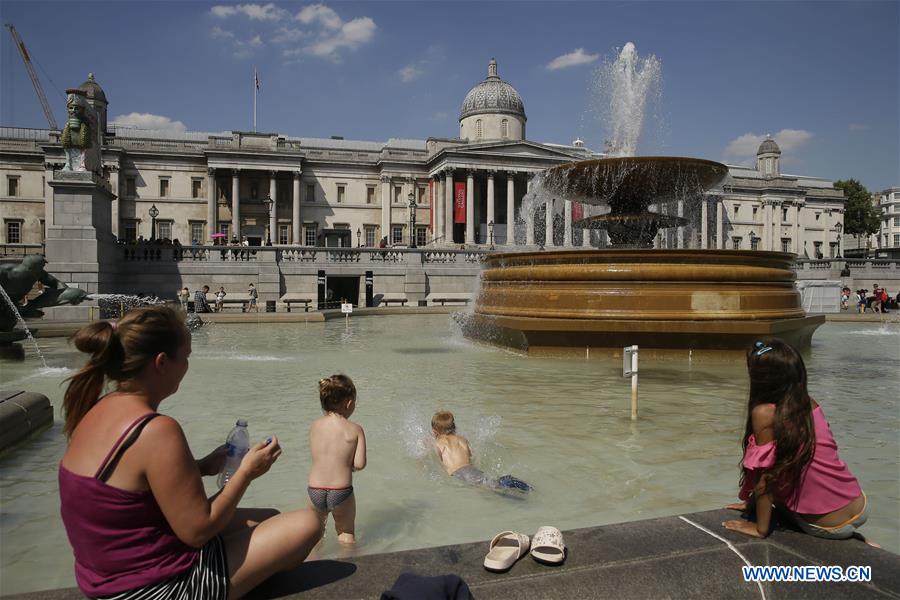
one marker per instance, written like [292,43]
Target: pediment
[516,148]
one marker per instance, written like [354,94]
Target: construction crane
[33,75]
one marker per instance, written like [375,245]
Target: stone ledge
[656,558]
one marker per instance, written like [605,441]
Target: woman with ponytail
[132,498]
[790,456]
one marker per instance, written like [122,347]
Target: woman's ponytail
[98,339]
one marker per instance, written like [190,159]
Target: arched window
[504,128]
[478,130]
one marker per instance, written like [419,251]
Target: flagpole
[255,93]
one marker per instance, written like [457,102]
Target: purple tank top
[121,539]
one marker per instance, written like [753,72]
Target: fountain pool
[561,424]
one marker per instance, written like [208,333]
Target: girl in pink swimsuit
[790,456]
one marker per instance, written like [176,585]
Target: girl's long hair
[778,376]
[119,351]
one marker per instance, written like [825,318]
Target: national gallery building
[463,190]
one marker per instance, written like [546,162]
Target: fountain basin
[666,301]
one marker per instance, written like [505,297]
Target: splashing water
[12,306]
[621,90]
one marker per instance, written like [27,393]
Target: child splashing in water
[338,448]
[456,456]
[790,456]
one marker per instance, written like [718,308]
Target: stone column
[386,208]
[720,242]
[449,208]
[510,209]
[776,226]
[273,213]
[680,234]
[436,212]
[211,208]
[529,216]
[799,238]
[470,207]
[548,224]
[296,223]
[567,226]
[117,202]
[767,225]
[490,201]
[236,203]
[704,223]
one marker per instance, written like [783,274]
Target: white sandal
[506,548]
[548,546]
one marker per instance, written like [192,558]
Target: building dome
[493,96]
[768,147]
[92,89]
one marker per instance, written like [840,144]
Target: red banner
[459,201]
[577,211]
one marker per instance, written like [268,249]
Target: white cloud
[218,32]
[256,12]
[351,35]
[572,59]
[149,121]
[411,72]
[240,48]
[319,13]
[858,127]
[286,35]
[439,115]
[742,149]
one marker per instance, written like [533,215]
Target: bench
[244,303]
[445,300]
[388,301]
[304,301]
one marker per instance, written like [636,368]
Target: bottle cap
[241,423]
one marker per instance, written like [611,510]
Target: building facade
[273,188]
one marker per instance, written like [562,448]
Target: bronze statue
[18,280]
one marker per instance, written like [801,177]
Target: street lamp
[838,227]
[412,219]
[358,234]
[269,204]
[491,233]
[153,212]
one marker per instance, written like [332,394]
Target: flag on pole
[256,78]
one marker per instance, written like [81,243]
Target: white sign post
[347,309]
[630,367]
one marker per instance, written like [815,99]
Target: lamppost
[269,204]
[491,233]
[837,229]
[153,212]
[358,234]
[412,219]
[753,238]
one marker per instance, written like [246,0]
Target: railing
[845,264]
[20,249]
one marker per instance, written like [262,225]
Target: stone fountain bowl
[631,183]
[669,301]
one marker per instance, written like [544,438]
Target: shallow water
[560,424]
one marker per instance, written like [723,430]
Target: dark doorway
[341,288]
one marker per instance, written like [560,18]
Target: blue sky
[822,77]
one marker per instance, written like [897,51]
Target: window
[504,128]
[785,244]
[310,192]
[398,194]
[164,230]
[195,187]
[225,228]
[754,243]
[784,215]
[43,231]
[163,187]
[284,235]
[341,190]
[479,129]
[130,187]
[397,234]
[197,236]
[310,234]
[12,186]
[421,198]
[833,249]
[130,230]
[736,243]
[421,236]
[897,240]
[896,221]
[13,232]
[370,194]
[370,236]
[818,250]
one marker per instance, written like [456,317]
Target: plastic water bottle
[237,444]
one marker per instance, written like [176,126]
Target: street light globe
[154,212]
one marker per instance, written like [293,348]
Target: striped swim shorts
[206,580]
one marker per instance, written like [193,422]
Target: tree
[861,215]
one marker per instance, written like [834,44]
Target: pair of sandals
[547,547]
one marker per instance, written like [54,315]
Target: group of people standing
[141,526]
[879,301]
[201,299]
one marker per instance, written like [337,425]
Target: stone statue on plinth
[77,138]
[17,280]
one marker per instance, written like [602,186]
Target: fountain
[669,302]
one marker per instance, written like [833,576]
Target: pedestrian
[184,296]
[254,295]
[220,298]
[201,304]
